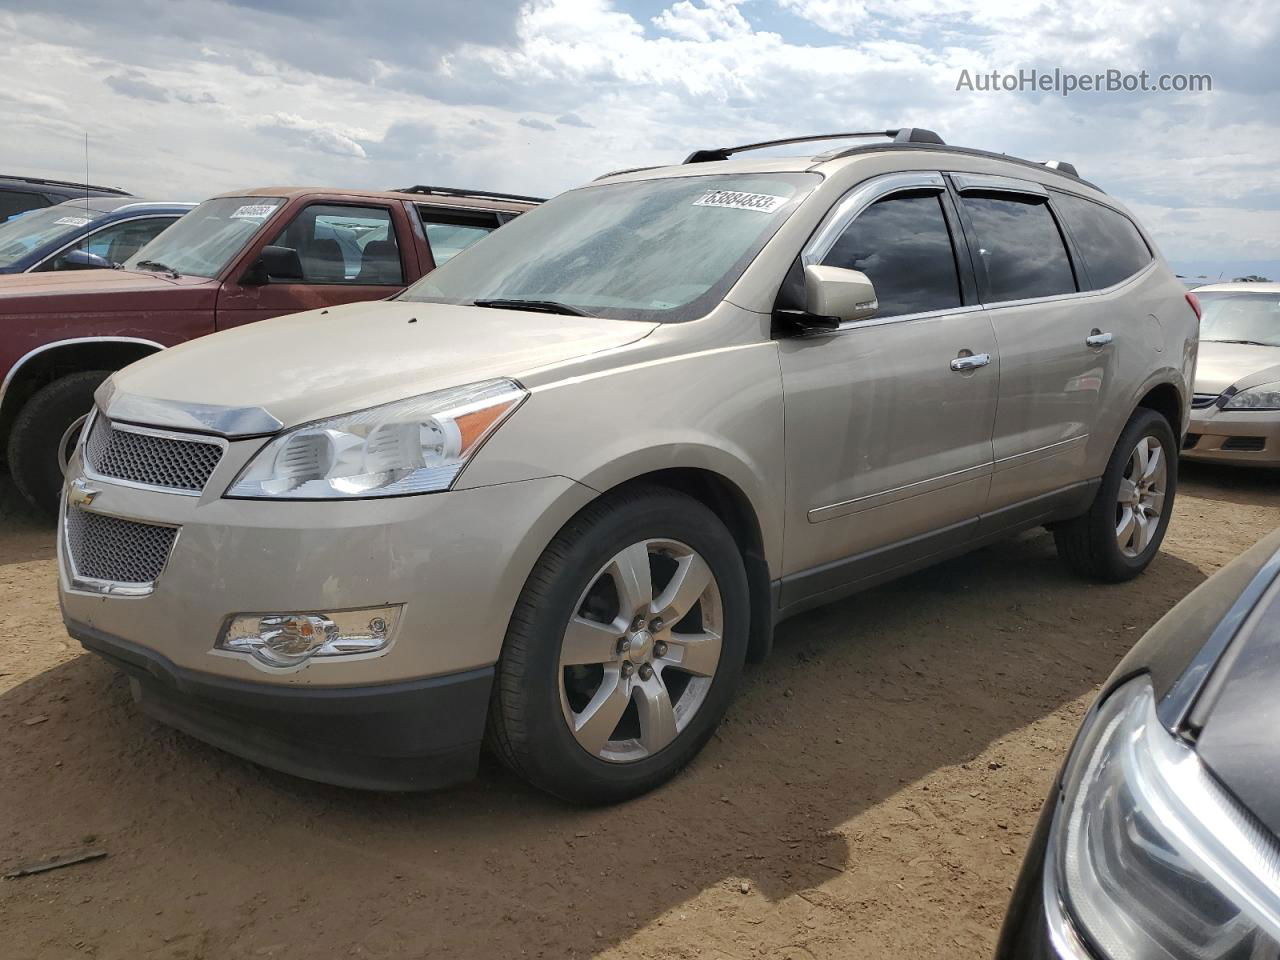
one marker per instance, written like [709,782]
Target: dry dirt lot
[869,796]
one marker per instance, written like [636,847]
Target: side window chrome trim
[1077,294]
[968,182]
[848,207]
[850,325]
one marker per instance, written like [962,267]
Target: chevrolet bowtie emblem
[81,494]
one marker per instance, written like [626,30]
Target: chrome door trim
[72,341]
[848,325]
[1040,453]
[845,507]
[89,471]
[973,361]
[847,208]
[966,182]
[106,226]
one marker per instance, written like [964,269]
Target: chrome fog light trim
[292,639]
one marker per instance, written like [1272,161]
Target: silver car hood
[306,366]
[1223,364]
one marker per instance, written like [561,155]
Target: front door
[345,253]
[889,420]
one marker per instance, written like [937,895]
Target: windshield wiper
[1251,343]
[536,306]
[158,267]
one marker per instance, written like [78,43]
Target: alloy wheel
[1140,503]
[640,651]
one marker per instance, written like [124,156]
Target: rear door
[1051,378]
[888,420]
[347,251]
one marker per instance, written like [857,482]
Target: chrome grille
[150,458]
[120,551]
[1201,400]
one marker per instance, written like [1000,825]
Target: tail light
[1195,303]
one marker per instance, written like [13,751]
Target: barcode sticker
[254,211]
[72,221]
[735,200]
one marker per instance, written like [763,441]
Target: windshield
[204,241]
[23,233]
[662,250]
[1246,317]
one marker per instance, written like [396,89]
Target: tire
[1090,544]
[38,433]
[529,719]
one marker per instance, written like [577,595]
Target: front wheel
[1122,531]
[45,433]
[624,649]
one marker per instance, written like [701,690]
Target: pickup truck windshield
[203,242]
[21,234]
[1240,318]
[660,250]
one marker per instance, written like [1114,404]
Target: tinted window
[449,232]
[1019,246]
[14,202]
[342,244]
[903,245]
[1110,244]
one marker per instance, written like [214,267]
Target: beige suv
[554,495]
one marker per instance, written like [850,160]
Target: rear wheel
[624,649]
[44,435]
[1122,531]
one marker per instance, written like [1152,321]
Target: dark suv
[20,194]
[234,259]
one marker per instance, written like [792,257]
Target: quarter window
[344,244]
[902,244]
[1109,243]
[1019,247]
[449,232]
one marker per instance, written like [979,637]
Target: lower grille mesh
[122,551]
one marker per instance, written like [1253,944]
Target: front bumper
[1234,436]
[416,735]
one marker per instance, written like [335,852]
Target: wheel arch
[730,503]
[1167,400]
[43,364]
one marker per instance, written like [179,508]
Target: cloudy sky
[185,98]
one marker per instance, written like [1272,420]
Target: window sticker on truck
[254,211]
[735,200]
[71,221]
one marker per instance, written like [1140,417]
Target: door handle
[971,362]
[1097,338]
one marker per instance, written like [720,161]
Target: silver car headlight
[1152,858]
[1265,396]
[419,445]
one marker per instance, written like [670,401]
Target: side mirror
[82,260]
[845,295]
[274,263]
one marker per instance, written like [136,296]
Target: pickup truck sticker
[72,221]
[254,211]
[734,200]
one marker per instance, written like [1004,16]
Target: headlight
[418,445]
[1152,858]
[1265,396]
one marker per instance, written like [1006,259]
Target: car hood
[306,366]
[1240,735]
[59,291]
[1223,364]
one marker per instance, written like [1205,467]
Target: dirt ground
[869,796]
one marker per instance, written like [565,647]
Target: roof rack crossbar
[478,194]
[901,135]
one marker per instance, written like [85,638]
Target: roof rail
[478,194]
[902,135]
[65,183]
[1062,167]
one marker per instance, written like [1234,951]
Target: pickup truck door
[346,251]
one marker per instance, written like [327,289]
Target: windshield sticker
[72,221]
[761,202]
[254,211]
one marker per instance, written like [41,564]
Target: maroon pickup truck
[233,259]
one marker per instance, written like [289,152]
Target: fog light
[288,639]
